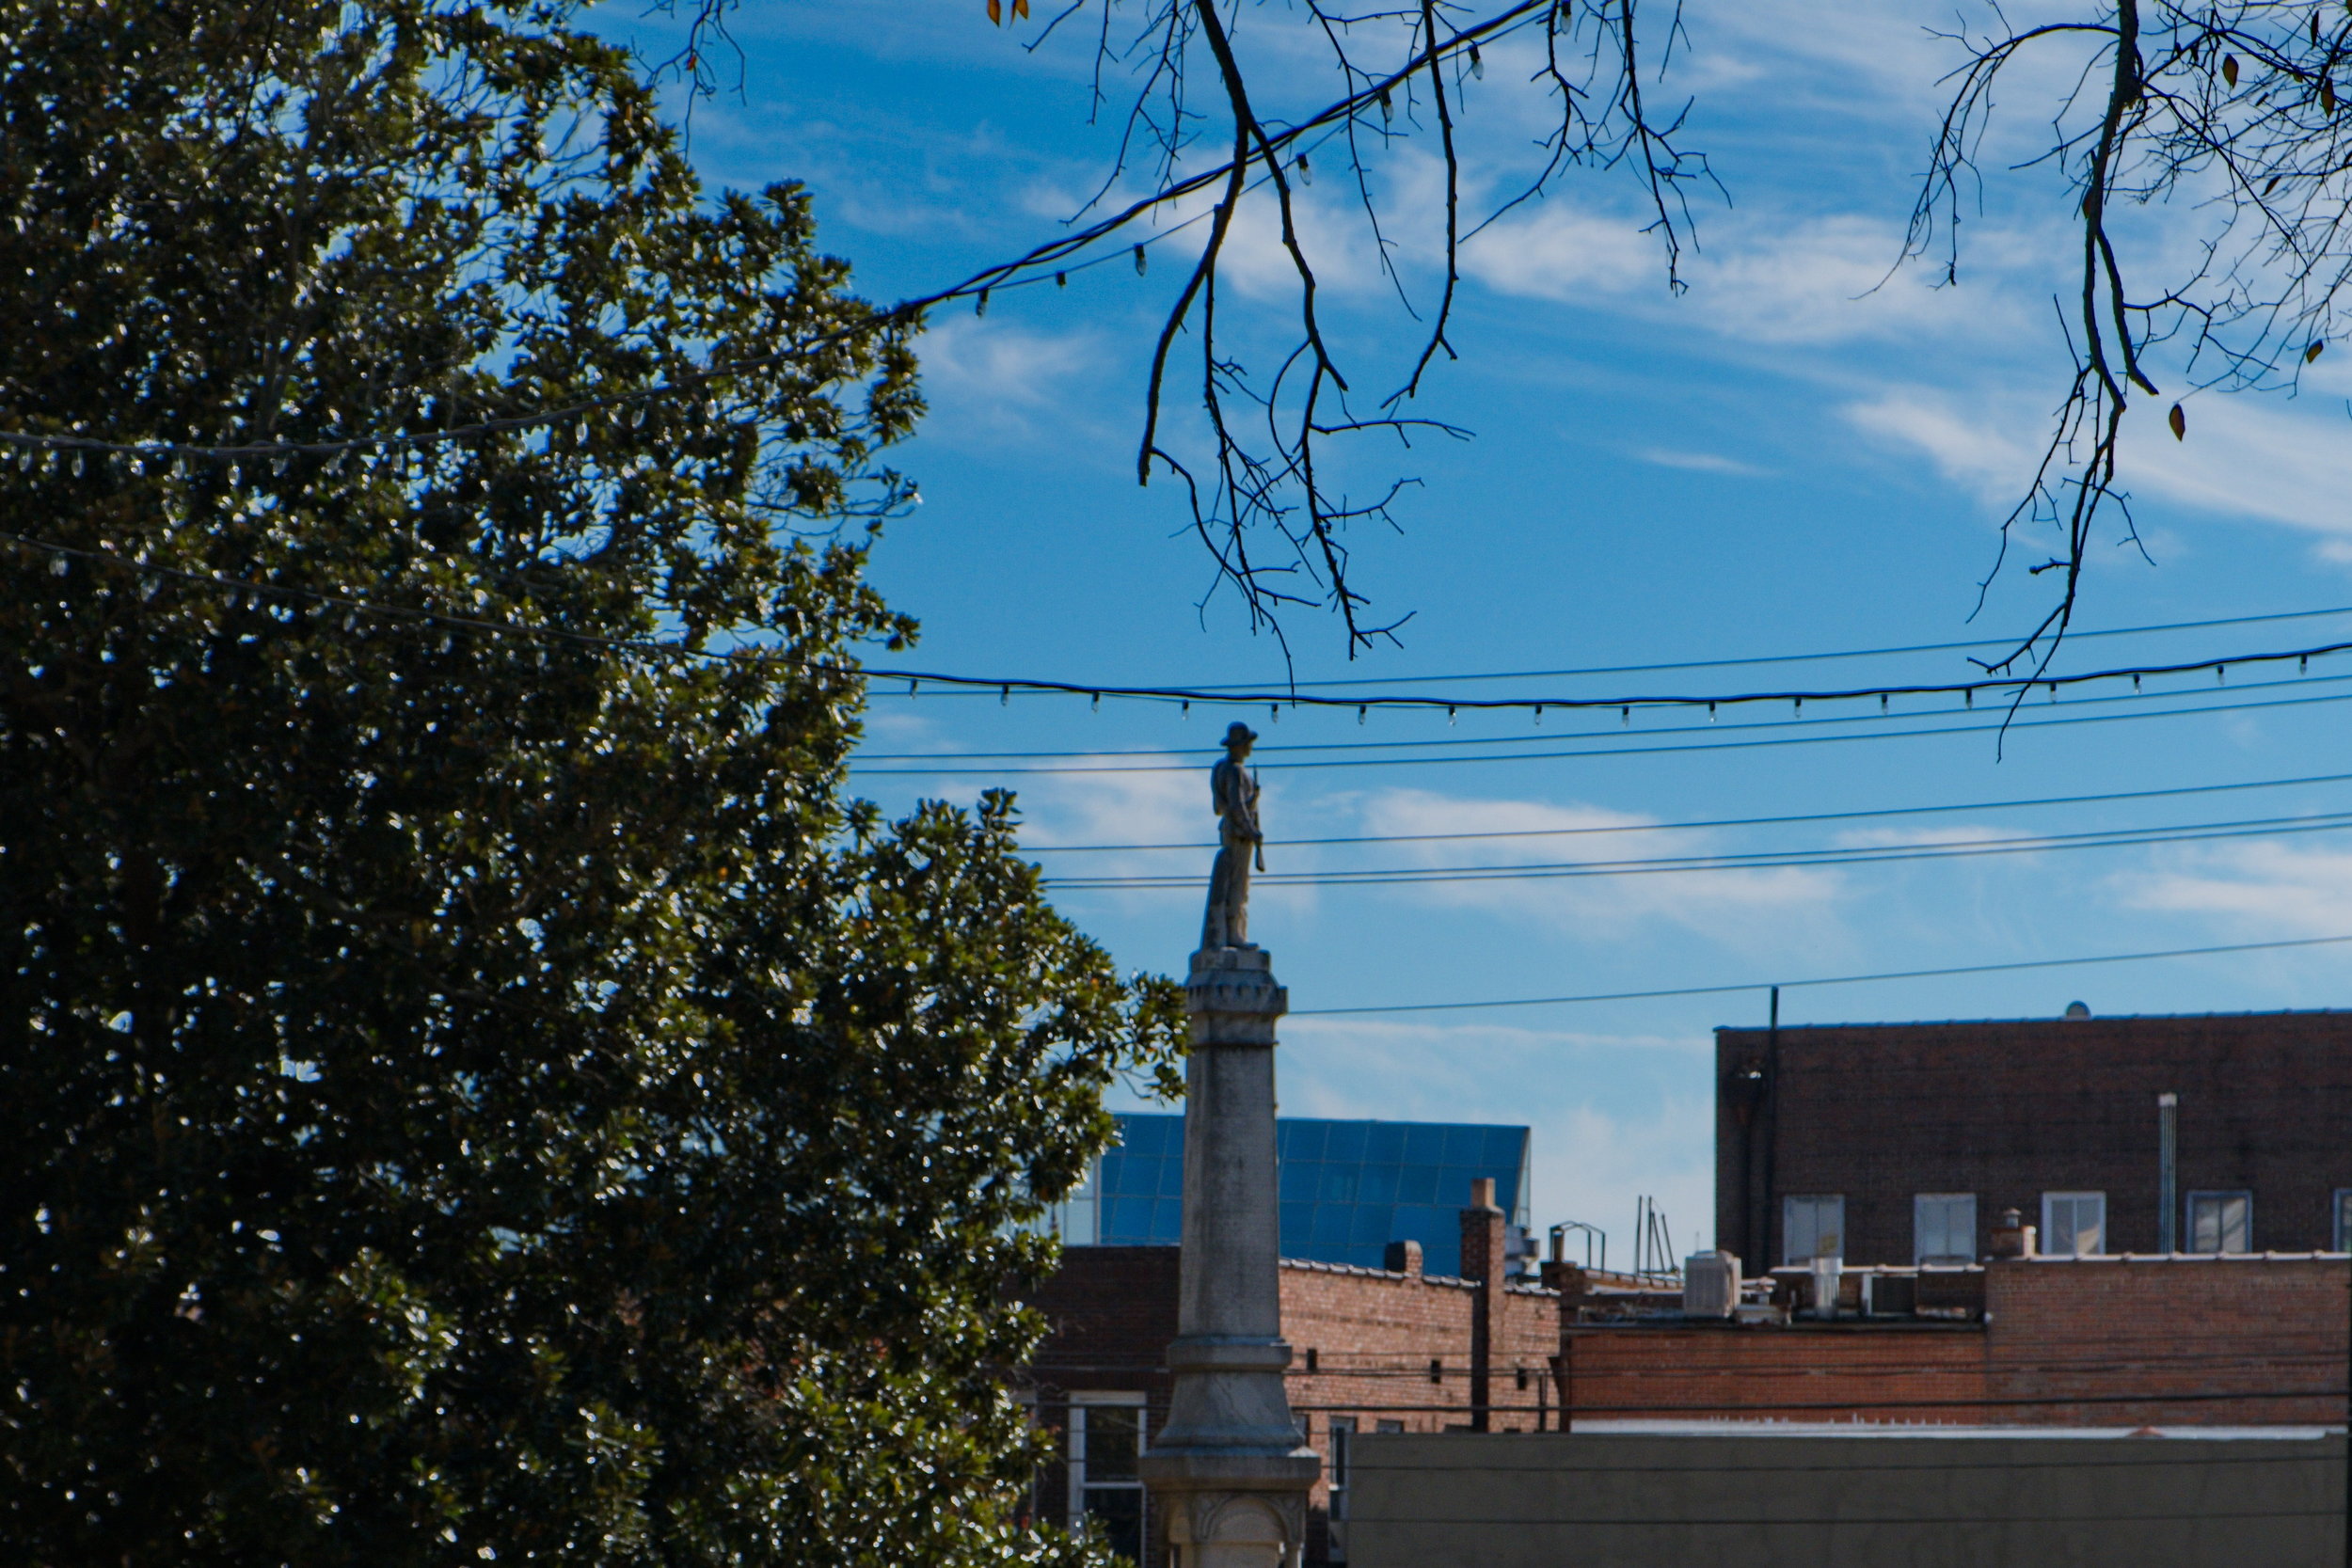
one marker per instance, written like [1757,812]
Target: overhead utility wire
[1766,860]
[420,615]
[1752,660]
[1868,815]
[1874,733]
[1826,980]
[1033,267]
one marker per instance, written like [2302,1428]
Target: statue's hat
[1238,731]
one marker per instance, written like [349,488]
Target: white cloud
[1959,832]
[1558,252]
[2248,455]
[2269,887]
[1700,462]
[1724,905]
[980,369]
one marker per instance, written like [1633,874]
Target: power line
[1826,980]
[1759,860]
[1874,813]
[1754,659]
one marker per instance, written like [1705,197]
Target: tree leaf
[2179,422]
[996,13]
[2314,352]
[2229,63]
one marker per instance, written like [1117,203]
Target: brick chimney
[1403,1257]
[1481,1263]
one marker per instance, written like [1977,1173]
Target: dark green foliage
[469,1096]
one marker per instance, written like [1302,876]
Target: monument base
[1231,1510]
[1229,1475]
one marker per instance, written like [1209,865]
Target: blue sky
[1800,453]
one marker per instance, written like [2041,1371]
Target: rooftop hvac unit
[1711,1285]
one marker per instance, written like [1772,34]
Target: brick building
[2071,1341]
[1372,1349]
[1899,1142]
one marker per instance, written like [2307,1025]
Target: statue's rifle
[1258,841]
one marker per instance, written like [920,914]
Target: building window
[1812,1226]
[2343,1219]
[1106,1440]
[2074,1225]
[2221,1222]
[1944,1227]
[1388,1426]
[1342,1429]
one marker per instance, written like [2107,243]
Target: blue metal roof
[1348,1188]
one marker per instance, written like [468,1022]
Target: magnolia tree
[472,1086]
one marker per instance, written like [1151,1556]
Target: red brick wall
[2228,1336]
[1800,1372]
[2009,1110]
[1373,1335]
[2078,1342]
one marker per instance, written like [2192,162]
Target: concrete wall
[1621,1500]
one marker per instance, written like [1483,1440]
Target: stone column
[1229,1475]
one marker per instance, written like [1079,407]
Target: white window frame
[1081,1403]
[1815,1205]
[1342,1430]
[1945,1203]
[2217,1195]
[2050,1231]
[2344,1231]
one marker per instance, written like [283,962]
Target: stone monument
[1230,1473]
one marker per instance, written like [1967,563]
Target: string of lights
[356,603]
[1876,732]
[1279,754]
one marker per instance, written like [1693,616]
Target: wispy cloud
[1723,904]
[2268,887]
[1700,462]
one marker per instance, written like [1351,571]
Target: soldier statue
[1240,843]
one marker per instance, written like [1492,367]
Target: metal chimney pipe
[2168,1171]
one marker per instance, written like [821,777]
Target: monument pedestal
[1229,1475]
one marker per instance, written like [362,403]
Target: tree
[2203,155]
[472,1086]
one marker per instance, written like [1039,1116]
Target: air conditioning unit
[1711,1285]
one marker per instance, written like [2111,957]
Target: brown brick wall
[1801,1373]
[1374,1335]
[2235,1339]
[2009,1110]
[2239,1341]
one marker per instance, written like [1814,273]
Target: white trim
[2189,1218]
[1918,1232]
[2050,1231]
